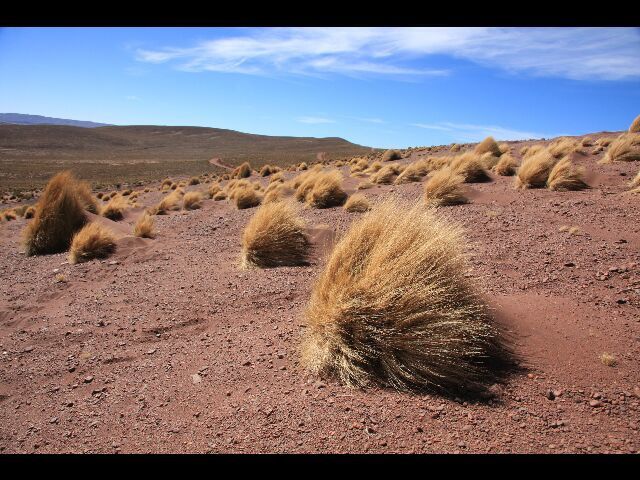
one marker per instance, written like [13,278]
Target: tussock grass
[58,215]
[391,155]
[386,175]
[303,166]
[275,236]
[277,177]
[562,147]
[604,141]
[394,307]
[455,148]
[506,166]
[533,149]
[489,160]
[586,142]
[243,171]
[534,170]
[622,149]
[192,201]
[86,198]
[444,188]
[114,210]
[327,190]
[126,192]
[359,166]
[357,203]
[144,226]
[30,212]
[92,241]
[608,360]
[504,148]
[634,183]
[565,176]
[374,167]
[169,203]
[213,189]
[221,195]
[246,197]
[278,192]
[488,145]
[470,166]
[635,125]
[414,172]
[194,181]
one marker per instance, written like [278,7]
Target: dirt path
[218,163]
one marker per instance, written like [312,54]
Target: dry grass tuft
[445,188]
[30,212]
[92,241]
[635,125]
[9,215]
[58,215]
[192,201]
[565,176]
[533,149]
[386,175]
[114,210]
[246,197]
[562,147]
[357,203]
[534,170]
[455,148]
[277,191]
[144,226]
[275,236]
[586,142]
[634,183]
[506,166]
[489,160]
[327,190]
[604,141]
[194,181]
[608,360]
[374,167]
[220,196]
[414,172]
[365,185]
[391,155]
[243,171]
[86,198]
[488,145]
[213,189]
[359,166]
[169,203]
[303,166]
[277,177]
[394,307]
[622,149]
[470,166]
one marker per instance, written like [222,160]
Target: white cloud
[575,53]
[463,132]
[314,120]
[132,98]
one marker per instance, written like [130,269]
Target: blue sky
[382,87]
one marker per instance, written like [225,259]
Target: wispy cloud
[573,53]
[133,98]
[314,120]
[464,132]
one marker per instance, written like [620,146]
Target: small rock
[88,379]
[595,403]
[195,378]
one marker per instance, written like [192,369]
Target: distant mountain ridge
[26,119]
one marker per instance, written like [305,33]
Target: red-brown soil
[167,346]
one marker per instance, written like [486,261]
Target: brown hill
[30,154]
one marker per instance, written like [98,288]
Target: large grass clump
[114,210]
[394,307]
[144,226]
[192,201]
[391,155]
[357,203]
[444,188]
[625,148]
[58,215]
[414,172]
[506,166]
[92,241]
[471,167]
[566,176]
[488,145]
[246,197]
[635,125]
[275,236]
[535,169]
[243,171]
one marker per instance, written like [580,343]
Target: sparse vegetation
[327,190]
[114,210]
[246,197]
[144,226]
[506,166]
[566,176]
[243,171]
[635,125]
[445,188]
[386,175]
[534,170]
[622,149]
[59,214]
[169,203]
[470,166]
[608,360]
[92,241]
[275,236]
[394,307]
[391,155]
[414,172]
[488,145]
[357,203]
[192,201]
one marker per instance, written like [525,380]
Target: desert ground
[168,345]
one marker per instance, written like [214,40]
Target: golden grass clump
[635,125]
[604,141]
[126,192]
[566,176]
[374,167]
[192,201]
[277,191]
[608,360]
[277,177]
[92,241]
[169,203]
[144,226]
[634,183]
[166,184]
[243,171]
[488,145]
[58,215]
[470,166]
[394,307]
[114,210]
[365,185]
[221,195]
[275,237]
[622,149]
[86,198]
[9,215]
[213,189]
[534,170]
[506,166]
[357,203]
[455,148]
[30,212]
[303,166]
[386,175]
[562,147]
[586,142]
[391,155]
[504,148]
[489,160]
[194,181]
[414,172]
[246,197]
[327,190]
[267,170]
[359,166]
[533,149]
[444,188]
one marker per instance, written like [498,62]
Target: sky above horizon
[381,87]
